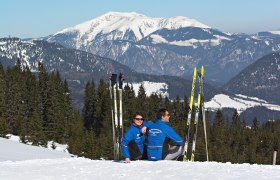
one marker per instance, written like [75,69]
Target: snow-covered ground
[12,150]
[239,102]
[152,88]
[20,161]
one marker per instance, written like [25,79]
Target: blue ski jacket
[134,133]
[157,134]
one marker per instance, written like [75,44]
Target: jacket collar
[161,121]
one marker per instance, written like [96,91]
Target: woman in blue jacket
[158,136]
[132,145]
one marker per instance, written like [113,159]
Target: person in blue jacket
[159,135]
[132,144]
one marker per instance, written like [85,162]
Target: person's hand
[127,160]
[144,130]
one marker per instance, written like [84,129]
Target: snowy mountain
[167,46]
[49,164]
[270,34]
[261,79]
[118,26]
[53,56]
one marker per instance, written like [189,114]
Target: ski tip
[202,70]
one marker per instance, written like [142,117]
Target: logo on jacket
[154,132]
[139,136]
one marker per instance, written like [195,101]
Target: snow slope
[12,150]
[17,163]
[152,88]
[239,102]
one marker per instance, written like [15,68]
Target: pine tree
[76,141]
[4,128]
[103,125]
[236,123]
[141,100]
[152,106]
[14,98]
[178,120]
[57,108]
[3,89]
[44,100]
[91,146]
[251,145]
[130,104]
[68,111]
[30,94]
[218,138]
[89,109]
[103,112]
[27,101]
[36,134]
[255,126]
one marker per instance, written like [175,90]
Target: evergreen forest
[38,108]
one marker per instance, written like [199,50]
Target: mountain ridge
[80,67]
[140,24]
[260,79]
[172,47]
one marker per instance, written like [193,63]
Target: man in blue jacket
[159,134]
[132,145]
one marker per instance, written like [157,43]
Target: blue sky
[37,18]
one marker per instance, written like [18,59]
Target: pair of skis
[117,121]
[200,94]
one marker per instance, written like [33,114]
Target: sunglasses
[139,119]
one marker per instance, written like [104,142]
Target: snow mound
[12,150]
